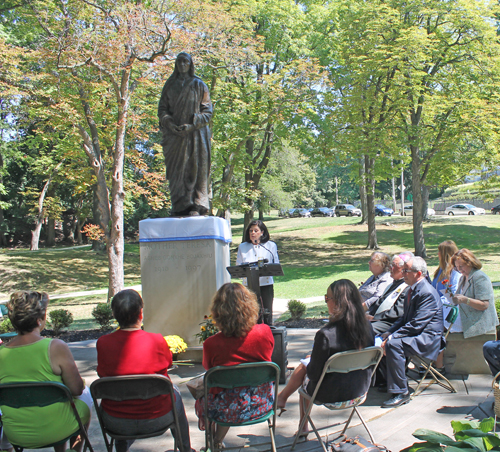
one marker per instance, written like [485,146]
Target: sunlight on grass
[314,252]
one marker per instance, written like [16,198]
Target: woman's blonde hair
[468,257]
[446,251]
[235,310]
[26,308]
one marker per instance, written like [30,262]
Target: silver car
[348,210]
[464,209]
[409,211]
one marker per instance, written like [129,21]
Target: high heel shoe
[281,411]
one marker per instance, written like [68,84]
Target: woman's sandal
[302,435]
[281,411]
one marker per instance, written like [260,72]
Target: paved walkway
[433,409]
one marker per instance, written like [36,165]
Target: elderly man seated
[385,311]
[418,332]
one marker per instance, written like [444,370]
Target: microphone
[268,250]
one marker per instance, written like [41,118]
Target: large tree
[261,102]
[421,79]
[97,69]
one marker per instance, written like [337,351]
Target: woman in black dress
[347,329]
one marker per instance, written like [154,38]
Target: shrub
[59,319]
[297,309]
[103,315]
[6,326]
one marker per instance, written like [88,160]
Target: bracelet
[468,301]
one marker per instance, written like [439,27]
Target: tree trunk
[51,232]
[362,190]
[425,202]
[248,218]
[261,214]
[69,226]
[3,238]
[393,182]
[418,229]
[370,203]
[96,218]
[35,235]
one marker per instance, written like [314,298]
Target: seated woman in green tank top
[30,357]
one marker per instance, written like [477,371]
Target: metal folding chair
[41,394]
[130,387]
[428,366]
[246,374]
[343,362]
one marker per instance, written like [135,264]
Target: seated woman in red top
[131,351]
[241,340]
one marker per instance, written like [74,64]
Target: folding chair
[246,374]
[343,362]
[41,394]
[130,387]
[428,365]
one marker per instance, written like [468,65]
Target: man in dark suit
[418,332]
[385,311]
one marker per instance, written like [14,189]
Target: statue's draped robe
[187,158]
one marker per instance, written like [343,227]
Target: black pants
[266,304]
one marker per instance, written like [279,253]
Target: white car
[409,211]
[464,209]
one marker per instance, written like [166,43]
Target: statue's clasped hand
[184,129]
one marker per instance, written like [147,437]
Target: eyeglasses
[327,298]
[408,270]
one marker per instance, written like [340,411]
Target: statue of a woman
[184,112]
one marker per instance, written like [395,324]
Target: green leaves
[469,436]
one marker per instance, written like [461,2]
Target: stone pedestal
[183,263]
[465,356]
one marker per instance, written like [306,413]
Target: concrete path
[433,409]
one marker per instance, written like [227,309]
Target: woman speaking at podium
[257,245]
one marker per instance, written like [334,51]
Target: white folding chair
[343,362]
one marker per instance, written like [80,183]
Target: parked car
[464,209]
[322,212]
[409,211]
[347,209]
[302,212]
[381,210]
[495,209]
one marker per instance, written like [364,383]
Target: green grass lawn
[314,252]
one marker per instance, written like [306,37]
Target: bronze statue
[184,112]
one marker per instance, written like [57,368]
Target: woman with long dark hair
[257,245]
[347,329]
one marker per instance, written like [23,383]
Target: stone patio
[433,409]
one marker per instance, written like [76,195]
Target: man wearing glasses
[418,332]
